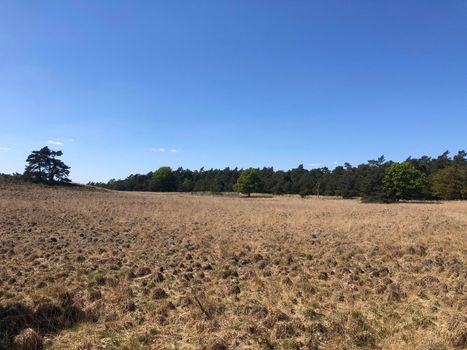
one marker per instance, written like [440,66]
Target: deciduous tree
[403,181]
[248,182]
[163,180]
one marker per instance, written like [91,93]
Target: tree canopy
[450,183]
[365,180]
[44,166]
[163,179]
[248,182]
[404,181]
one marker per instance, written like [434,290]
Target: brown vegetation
[110,270]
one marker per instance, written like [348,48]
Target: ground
[87,269]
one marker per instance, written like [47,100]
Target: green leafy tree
[248,182]
[450,183]
[403,181]
[163,180]
[44,166]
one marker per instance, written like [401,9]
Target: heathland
[97,269]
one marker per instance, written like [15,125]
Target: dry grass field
[109,270]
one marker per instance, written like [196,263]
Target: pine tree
[450,183]
[44,166]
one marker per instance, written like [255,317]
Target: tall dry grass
[180,271]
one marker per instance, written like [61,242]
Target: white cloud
[315,165]
[5,149]
[163,150]
[71,140]
[56,143]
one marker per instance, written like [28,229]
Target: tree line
[424,178]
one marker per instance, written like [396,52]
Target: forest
[442,177]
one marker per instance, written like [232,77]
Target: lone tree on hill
[248,182]
[44,166]
[404,181]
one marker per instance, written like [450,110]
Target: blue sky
[128,86]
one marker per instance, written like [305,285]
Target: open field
[113,270]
